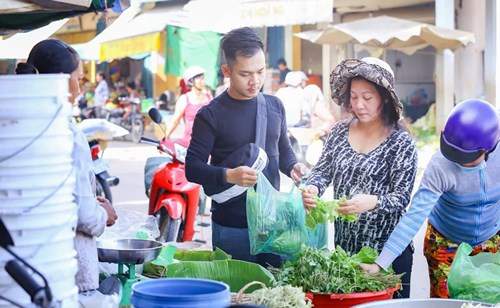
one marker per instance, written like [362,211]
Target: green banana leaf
[235,273]
[201,255]
[169,255]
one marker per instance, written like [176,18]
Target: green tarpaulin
[35,19]
[186,48]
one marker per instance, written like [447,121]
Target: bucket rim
[356,295]
[179,296]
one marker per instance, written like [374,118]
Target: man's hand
[358,204]
[242,176]
[110,211]
[298,172]
[370,268]
[309,194]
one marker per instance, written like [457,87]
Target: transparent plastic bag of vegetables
[475,277]
[276,220]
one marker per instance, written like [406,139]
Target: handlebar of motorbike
[24,279]
[150,141]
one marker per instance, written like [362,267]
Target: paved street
[127,160]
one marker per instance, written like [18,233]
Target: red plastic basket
[349,300]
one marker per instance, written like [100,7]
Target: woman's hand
[110,210]
[358,204]
[309,194]
[370,268]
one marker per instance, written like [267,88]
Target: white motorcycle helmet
[192,72]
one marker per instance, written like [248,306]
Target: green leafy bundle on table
[337,272]
[326,211]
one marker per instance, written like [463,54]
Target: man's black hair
[282,61]
[131,85]
[240,42]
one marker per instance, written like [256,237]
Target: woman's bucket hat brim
[341,77]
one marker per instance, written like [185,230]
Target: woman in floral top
[370,160]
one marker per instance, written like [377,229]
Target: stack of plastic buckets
[37,181]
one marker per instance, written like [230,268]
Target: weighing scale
[127,253]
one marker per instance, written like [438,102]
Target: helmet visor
[457,155]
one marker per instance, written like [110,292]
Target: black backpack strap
[261,122]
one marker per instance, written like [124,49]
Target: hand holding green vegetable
[326,211]
[309,195]
[358,204]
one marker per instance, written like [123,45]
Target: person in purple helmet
[459,193]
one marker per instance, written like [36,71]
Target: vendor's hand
[298,172]
[242,176]
[309,194]
[358,204]
[110,210]
[370,268]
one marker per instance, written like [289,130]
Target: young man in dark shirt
[229,123]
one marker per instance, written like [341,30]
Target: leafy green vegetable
[288,243]
[365,255]
[320,271]
[326,211]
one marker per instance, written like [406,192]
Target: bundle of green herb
[320,271]
[326,211]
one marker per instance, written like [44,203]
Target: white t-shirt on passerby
[293,101]
[101,93]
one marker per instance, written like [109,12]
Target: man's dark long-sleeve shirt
[224,126]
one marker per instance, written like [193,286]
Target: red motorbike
[172,198]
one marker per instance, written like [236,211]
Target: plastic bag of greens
[276,220]
[475,277]
[317,237]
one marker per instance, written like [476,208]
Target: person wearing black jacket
[227,124]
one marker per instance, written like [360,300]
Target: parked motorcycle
[172,199]
[98,133]
[134,124]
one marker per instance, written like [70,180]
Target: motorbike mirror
[155,115]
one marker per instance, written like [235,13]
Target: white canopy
[225,15]
[389,32]
[19,45]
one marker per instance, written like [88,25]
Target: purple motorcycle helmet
[471,129]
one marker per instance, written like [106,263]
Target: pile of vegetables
[326,211]
[280,297]
[337,272]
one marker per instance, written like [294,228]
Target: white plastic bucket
[36,169]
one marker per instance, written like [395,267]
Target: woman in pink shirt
[189,103]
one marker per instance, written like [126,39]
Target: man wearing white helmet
[293,98]
[189,103]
